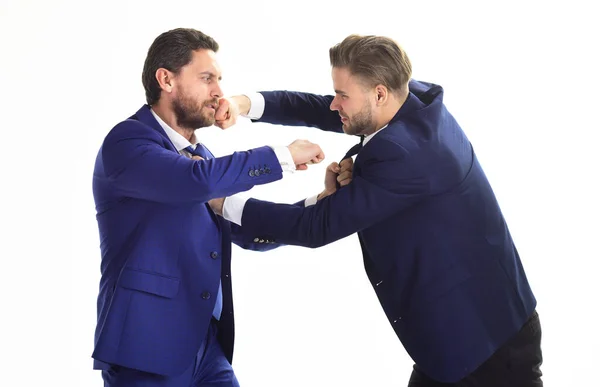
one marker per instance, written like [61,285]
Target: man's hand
[217,205]
[305,152]
[337,173]
[229,109]
[344,176]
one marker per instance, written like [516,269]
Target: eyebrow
[210,73]
[340,92]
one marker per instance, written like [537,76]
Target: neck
[390,109]
[168,116]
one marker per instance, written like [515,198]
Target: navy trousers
[210,369]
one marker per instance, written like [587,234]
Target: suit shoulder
[400,151]
[386,145]
[129,129]
[386,162]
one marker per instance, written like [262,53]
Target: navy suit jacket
[436,247]
[163,249]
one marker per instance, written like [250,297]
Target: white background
[521,78]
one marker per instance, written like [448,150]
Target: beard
[191,116]
[361,123]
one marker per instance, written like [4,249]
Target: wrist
[324,194]
[243,103]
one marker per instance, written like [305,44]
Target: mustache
[214,102]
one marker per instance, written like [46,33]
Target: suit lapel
[145,115]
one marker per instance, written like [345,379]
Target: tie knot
[199,151]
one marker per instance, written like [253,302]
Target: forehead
[343,80]
[204,60]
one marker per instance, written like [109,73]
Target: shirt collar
[177,139]
[370,136]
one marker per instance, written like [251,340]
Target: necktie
[199,151]
[351,152]
[205,154]
[355,149]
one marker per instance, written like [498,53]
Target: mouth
[212,106]
[344,119]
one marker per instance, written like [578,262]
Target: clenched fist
[229,109]
[305,152]
[337,174]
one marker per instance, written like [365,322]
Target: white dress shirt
[179,142]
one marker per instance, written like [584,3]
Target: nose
[334,104]
[217,92]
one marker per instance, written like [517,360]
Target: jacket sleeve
[300,109]
[136,164]
[249,242]
[387,185]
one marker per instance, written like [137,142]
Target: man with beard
[436,247]
[165,312]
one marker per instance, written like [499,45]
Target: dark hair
[172,50]
[375,59]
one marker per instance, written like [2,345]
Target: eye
[207,79]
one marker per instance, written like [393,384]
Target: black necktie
[351,152]
[354,150]
[199,151]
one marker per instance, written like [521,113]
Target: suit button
[205,295]
[262,171]
[256,239]
[251,173]
[214,255]
[267,170]
[256,172]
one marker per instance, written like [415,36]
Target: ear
[381,95]
[165,79]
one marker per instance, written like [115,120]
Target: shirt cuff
[284,156]
[257,106]
[311,201]
[233,208]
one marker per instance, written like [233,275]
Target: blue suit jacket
[436,247]
[163,249]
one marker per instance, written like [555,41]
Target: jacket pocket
[149,283]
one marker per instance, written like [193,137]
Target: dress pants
[515,364]
[210,369]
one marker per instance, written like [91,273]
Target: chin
[350,130]
[208,119]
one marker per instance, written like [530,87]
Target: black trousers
[515,364]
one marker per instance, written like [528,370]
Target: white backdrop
[521,79]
